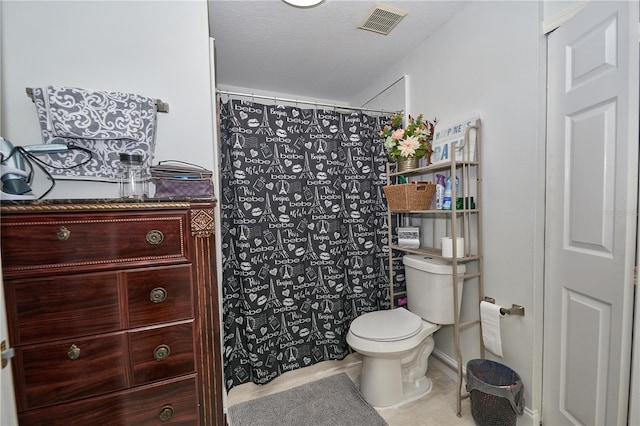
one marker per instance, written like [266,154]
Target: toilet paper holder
[513,310]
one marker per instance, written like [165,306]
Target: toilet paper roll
[490,322]
[409,237]
[408,243]
[447,247]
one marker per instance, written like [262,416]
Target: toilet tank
[430,288]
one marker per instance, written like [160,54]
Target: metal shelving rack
[453,218]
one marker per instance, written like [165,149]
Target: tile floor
[436,408]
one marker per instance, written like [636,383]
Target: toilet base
[395,392]
[386,382]
[417,390]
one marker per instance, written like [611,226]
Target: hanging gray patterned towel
[178,179]
[105,123]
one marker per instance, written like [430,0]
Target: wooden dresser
[113,313]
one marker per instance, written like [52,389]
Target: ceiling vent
[382,19]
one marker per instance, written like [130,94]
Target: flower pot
[407,164]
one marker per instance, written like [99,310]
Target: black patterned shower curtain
[303,234]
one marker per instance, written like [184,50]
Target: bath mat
[331,401]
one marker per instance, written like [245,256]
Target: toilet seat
[386,326]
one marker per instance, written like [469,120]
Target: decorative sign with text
[449,141]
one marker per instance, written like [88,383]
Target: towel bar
[160,106]
[513,310]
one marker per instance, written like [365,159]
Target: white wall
[486,60]
[8,415]
[154,48]
[273,97]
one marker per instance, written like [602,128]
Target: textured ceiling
[316,52]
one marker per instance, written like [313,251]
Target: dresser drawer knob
[158,295]
[73,352]
[165,413]
[155,237]
[161,352]
[63,233]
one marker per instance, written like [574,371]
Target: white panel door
[592,161]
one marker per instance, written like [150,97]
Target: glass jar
[133,177]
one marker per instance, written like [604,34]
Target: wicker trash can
[497,393]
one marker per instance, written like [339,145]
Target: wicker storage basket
[410,196]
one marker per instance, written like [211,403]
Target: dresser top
[107,204]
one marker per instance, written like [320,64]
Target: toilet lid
[386,326]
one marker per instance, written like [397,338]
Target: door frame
[634,396]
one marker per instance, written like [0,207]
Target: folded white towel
[490,321]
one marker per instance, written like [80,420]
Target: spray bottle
[446,203]
[440,191]
[446,200]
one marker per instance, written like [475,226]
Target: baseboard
[449,366]
[446,364]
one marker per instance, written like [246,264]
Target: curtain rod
[296,101]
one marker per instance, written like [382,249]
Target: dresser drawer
[43,241]
[161,352]
[72,369]
[171,403]
[62,307]
[158,295]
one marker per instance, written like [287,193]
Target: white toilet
[396,344]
